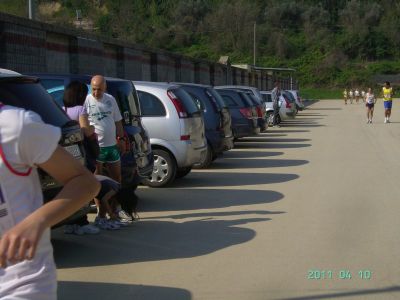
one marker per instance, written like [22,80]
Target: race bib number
[6,222]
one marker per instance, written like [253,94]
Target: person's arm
[120,134]
[88,129]
[80,186]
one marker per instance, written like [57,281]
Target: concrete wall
[31,46]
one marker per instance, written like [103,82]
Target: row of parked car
[172,127]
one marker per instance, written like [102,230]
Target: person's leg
[372,113]
[368,114]
[115,171]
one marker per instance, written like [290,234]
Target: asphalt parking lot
[306,211]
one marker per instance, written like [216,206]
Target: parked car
[125,94]
[217,120]
[26,92]
[260,107]
[176,129]
[255,91]
[291,99]
[269,106]
[299,102]
[286,107]
[243,112]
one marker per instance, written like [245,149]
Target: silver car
[286,108]
[176,129]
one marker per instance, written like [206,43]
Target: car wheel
[270,118]
[206,159]
[164,171]
[182,172]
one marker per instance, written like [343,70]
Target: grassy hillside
[332,44]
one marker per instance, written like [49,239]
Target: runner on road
[357,95]
[351,96]
[370,101]
[345,96]
[387,93]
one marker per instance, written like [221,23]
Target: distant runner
[387,93]
[345,96]
[351,96]
[357,95]
[370,101]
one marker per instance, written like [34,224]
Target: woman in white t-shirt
[27,269]
[370,101]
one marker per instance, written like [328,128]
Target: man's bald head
[98,85]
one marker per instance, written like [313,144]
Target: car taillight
[288,105]
[185,137]
[246,112]
[180,109]
[260,112]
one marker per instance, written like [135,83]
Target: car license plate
[74,151]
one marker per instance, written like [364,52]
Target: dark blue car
[243,112]
[125,94]
[217,120]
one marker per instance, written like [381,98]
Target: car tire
[270,118]
[182,172]
[164,171]
[206,159]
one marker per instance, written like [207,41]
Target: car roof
[193,84]
[236,87]
[8,73]
[160,85]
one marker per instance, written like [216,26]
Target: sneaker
[73,229]
[112,225]
[119,223]
[386,120]
[90,229]
[102,223]
[124,216]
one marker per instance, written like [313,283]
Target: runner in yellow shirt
[387,93]
[345,96]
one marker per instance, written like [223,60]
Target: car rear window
[31,95]
[150,105]
[187,101]
[233,98]
[290,96]
[267,97]
[220,102]
[247,99]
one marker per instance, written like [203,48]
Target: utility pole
[30,9]
[254,44]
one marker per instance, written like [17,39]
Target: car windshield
[29,94]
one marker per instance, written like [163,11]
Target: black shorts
[370,105]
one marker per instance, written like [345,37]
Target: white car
[286,108]
[176,129]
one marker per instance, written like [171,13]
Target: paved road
[319,194]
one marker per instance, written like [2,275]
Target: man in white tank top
[27,269]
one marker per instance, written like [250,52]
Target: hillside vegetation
[331,43]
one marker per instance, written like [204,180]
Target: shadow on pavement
[326,108]
[218,214]
[222,179]
[283,130]
[76,290]
[151,241]
[247,154]
[392,289]
[228,163]
[168,199]
[271,140]
[240,145]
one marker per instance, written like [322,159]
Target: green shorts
[109,154]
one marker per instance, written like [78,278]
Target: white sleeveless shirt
[25,142]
